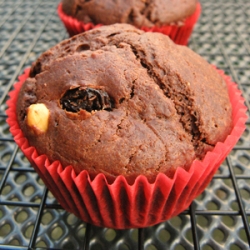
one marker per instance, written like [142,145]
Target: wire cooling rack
[31,218]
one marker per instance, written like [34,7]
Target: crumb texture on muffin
[136,12]
[125,102]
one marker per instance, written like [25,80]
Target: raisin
[86,98]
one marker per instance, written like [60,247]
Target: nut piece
[38,118]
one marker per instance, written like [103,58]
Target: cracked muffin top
[136,12]
[119,101]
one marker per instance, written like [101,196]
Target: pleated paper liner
[179,34]
[120,205]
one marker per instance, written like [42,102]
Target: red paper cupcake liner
[120,205]
[179,34]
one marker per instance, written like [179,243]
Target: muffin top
[119,101]
[136,12]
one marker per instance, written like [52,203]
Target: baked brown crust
[167,105]
[136,12]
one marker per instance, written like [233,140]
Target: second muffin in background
[173,18]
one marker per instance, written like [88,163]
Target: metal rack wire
[31,218]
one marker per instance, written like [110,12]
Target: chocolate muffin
[120,101]
[136,12]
